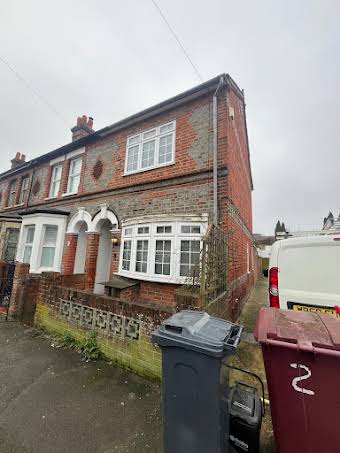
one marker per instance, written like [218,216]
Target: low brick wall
[60,305]
[123,330]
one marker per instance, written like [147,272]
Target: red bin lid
[306,330]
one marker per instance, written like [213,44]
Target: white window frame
[39,221]
[175,237]
[139,140]
[28,244]
[44,245]
[55,181]
[72,175]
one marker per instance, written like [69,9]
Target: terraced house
[128,205]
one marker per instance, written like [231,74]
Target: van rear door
[309,273]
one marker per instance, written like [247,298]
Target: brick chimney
[83,127]
[18,160]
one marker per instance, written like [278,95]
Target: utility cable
[34,90]
[172,31]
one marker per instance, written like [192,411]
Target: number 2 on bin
[298,379]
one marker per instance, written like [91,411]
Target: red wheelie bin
[301,353]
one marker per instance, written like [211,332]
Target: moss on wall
[139,356]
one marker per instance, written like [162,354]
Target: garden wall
[123,328]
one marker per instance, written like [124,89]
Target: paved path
[249,354]
[51,402]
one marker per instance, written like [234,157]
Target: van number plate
[312,308]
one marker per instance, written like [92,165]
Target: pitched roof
[175,101]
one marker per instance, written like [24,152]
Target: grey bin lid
[200,332]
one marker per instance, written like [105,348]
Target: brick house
[128,205]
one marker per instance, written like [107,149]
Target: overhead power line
[172,31]
[34,91]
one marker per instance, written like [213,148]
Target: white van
[304,274]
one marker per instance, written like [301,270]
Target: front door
[11,244]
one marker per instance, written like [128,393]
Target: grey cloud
[111,59]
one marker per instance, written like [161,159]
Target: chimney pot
[19,159]
[82,128]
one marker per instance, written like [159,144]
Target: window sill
[151,278]
[69,194]
[143,170]
[50,198]
[19,205]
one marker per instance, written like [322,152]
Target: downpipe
[215,155]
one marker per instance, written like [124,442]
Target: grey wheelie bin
[195,416]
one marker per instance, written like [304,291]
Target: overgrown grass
[88,348]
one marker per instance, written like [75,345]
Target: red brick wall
[193,124]
[70,250]
[193,155]
[239,177]
[91,259]
[162,293]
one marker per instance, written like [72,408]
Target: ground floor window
[41,241]
[126,262]
[49,245]
[161,251]
[190,256]
[29,238]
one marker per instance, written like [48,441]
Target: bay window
[42,239]
[142,255]
[163,257]
[28,244]
[49,246]
[126,261]
[151,149]
[190,257]
[161,251]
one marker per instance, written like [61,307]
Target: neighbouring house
[264,246]
[10,225]
[129,205]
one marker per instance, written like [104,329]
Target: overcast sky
[110,58]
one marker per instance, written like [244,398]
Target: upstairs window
[12,193]
[55,181]
[151,149]
[74,175]
[49,246]
[24,190]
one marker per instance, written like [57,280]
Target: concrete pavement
[52,402]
